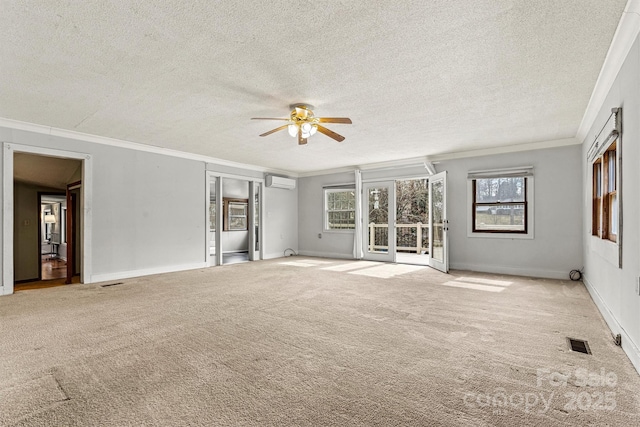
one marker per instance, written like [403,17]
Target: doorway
[52,245]
[412,217]
[234,207]
[405,221]
[28,170]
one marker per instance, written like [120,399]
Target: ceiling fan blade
[345,120]
[268,118]
[330,133]
[275,130]
[301,140]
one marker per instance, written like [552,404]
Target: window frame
[529,203]
[476,204]
[325,210]
[603,192]
[227,204]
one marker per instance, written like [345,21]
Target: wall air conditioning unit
[280,182]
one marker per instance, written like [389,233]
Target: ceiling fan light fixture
[307,129]
[303,124]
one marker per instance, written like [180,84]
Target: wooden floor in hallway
[53,268]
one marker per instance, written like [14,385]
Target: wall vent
[111,284]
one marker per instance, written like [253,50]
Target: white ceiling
[416,77]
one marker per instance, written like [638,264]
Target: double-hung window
[235,214]
[339,208]
[500,202]
[605,194]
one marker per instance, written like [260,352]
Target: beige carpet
[311,342]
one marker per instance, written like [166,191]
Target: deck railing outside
[409,237]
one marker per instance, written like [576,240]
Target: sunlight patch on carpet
[482,281]
[474,286]
[315,261]
[352,266]
[387,271]
[298,264]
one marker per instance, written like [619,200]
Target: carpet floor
[312,342]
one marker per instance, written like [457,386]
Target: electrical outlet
[319,235]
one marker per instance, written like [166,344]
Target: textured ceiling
[416,77]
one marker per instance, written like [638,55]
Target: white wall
[149,209]
[556,247]
[280,221]
[557,244]
[612,288]
[311,222]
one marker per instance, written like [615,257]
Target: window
[340,208]
[235,214]
[605,195]
[500,205]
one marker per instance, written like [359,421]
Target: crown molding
[420,161]
[623,39]
[392,164]
[504,150]
[113,142]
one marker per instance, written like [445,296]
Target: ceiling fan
[303,124]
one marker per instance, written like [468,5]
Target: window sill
[339,231]
[511,236]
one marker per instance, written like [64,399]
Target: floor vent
[580,346]
[111,284]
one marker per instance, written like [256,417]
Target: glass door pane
[256,216]
[379,216]
[438,222]
[212,220]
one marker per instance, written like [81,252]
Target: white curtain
[357,237]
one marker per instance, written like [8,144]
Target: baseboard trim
[513,271]
[326,254]
[273,255]
[145,272]
[628,346]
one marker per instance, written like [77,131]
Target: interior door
[438,223]
[70,230]
[212,215]
[379,216]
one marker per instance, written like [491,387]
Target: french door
[438,223]
[379,218]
